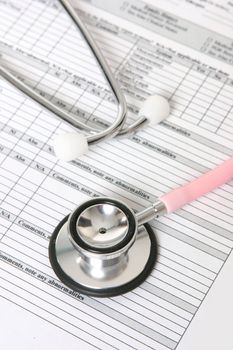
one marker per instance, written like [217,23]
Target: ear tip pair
[70,146]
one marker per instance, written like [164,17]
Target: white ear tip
[70,146]
[156,108]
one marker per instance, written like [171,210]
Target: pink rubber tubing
[205,183]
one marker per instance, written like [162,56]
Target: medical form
[166,47]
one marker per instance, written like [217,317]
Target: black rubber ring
[129,235]
[107,292]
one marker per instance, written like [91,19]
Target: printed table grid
[32,196]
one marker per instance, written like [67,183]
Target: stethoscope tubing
[200,186]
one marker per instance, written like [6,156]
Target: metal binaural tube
[95,135]
[113,129]
[41,100]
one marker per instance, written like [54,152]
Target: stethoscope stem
[152,212]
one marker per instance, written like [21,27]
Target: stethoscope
[103,248]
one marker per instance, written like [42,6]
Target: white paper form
[39,43]
[215,15]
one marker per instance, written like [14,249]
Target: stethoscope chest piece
[98,250]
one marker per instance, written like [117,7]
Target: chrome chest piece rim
[97,250]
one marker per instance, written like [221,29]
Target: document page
[151,48]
